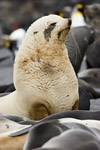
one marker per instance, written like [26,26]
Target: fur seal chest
[44,78]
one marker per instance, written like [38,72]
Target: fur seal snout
[44,78]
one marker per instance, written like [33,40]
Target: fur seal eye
[35,32]
[53,24]
[47,32]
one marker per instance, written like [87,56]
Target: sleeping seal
[8,127]
[44,78]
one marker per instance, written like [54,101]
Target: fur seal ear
[35,32]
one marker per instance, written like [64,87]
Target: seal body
[77,44]
[92,14]
[7,128]
[44,78]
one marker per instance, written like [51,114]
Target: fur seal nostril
[69,22]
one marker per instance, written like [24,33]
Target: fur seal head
[44,78]
[50,28]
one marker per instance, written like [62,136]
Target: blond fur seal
[44,78]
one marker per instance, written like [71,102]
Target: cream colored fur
[44,78]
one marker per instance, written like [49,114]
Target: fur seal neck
[44,78]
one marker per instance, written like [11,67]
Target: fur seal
[93,53]
[77,43]
[44,78]
[78,137]
[93,72]
[7,127]
[31,136]
[77,114]
[43,133]
[92,77]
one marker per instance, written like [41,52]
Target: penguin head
[80,7]
[77,16]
